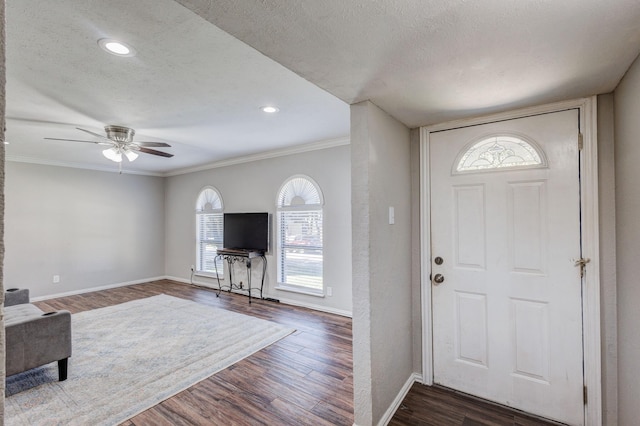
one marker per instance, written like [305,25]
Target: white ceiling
[200,88]
[190,84]
[430,61]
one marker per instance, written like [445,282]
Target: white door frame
[590,242]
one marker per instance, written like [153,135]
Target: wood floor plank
[331,413]
[295,416]
[301,360]
[265,359]
[434,405]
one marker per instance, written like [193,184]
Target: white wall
[253,187]
[382,343]
[91,228]
[627,178]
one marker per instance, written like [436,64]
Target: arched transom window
[499,152]
[209,229]
[300,248]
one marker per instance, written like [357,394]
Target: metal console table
[246,257]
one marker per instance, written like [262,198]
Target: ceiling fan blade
[76,140]
[155,144]
[94,134]
[151,151]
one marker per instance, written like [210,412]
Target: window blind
[301,252]
[209,235]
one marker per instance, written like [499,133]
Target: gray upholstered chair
[34,338]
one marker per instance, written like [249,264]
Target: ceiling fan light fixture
[130,155]
[119,139]
[113,154]
[116,47]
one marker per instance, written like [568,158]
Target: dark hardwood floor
[437,406]
[304,379]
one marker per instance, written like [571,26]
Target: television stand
[232,256]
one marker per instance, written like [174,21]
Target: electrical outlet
[329,291]
[56,279]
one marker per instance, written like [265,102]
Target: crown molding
[73,165]
[314,146]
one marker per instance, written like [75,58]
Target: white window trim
[300,290]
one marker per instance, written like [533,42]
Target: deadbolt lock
[438,260]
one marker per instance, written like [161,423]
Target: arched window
[300,252]
[209,229]
[499,152]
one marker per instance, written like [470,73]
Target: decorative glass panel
[299,191]
[208,201]
[500,152]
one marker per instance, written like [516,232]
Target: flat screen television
[246,231]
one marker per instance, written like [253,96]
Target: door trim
[590,242]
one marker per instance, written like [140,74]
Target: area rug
[129,357]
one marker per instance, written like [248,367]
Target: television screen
[246,231]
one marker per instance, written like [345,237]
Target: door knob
[438,279]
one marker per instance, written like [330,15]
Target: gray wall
[382,345]
[608,298]
[253,187]
[627,178]
[2,225]
[416,254]
[91,228]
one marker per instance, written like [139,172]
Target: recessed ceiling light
[6,142]
[116,47]
[269,109]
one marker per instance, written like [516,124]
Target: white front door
[505,235]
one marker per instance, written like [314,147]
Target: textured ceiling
[190,84]
[429,61]
[198,86]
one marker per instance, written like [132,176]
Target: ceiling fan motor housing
[119,133]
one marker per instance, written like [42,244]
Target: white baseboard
[192,282]
[315,307]
[91,289]
[388,415]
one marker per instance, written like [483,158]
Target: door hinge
[582,263]
[584,394]
[580,141]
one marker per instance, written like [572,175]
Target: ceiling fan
[119,139]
